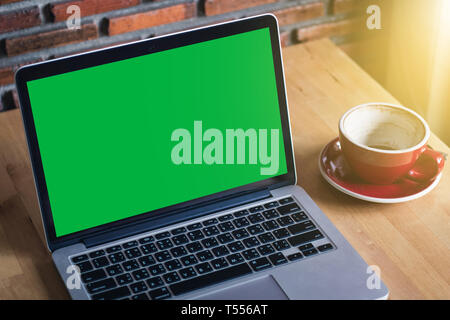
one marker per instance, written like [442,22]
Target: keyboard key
[124,279]
[194,247]
[146,261]
[173,265]
[281,233]
[97,253]
[310,252]
[299,216]
[80,258]
[256,209]
[255,229]
[203,267]
[116,257]
[226,226]
[133,253]
[210,222]
[156,269]
[306,246]
[235,258]
[189,260]
[171,277]
[295,256]
[102,285]
[158,294]
[251,242]
[285,200]
[285,221]
[164,244]
[100,262]
[210,242]
[325,247]
[162,235]
[194,226]
[305,237]
[85,266]
[130,265]
[277,258]
[225,217]
[220,251]
[240,233]
[250,254]
[114,270]
[93,276]
[301,227]
[289,208]
[180,239]
[240,213]
[178,231]
[204,255]
[129,244]
[162,256]
[241,222]
[148,248]
[260,264]
[113,294]
[187,272]
[211,231]
[266,237]
[256,218]
[225,238]
[146,239]
[210,279]
[270,214]
[138,287]
[270,225]
[195,235]
[270,205]
[140,274]
[281,245]
[114,249]
[178,252]
[141,296]
[219,263]
[155,282]
[235,246]
[266,249]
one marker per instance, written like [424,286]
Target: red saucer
[337,172]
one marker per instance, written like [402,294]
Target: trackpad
[265,288]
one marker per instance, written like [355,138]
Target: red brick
[6,76]
[299,13]
[8,1]
[343,6]
[49,39]
[329,29]
[213,7]
[90,7]
[285,38]
[148,19]
[19,19]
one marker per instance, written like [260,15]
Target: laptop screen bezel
[131,50]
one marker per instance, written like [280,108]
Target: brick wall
[32,31]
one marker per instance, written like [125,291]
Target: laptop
[164,169]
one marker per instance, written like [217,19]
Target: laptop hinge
[188,214]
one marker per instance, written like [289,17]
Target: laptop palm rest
[265,288]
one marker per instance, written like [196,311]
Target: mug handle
[429,164]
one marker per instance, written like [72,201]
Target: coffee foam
[384,126]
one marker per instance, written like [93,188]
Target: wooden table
[409,242]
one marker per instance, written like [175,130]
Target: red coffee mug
[383,142]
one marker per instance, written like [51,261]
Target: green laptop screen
[128,137]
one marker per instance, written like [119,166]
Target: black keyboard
[201,254]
